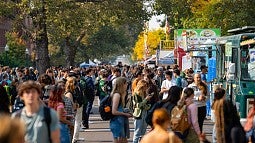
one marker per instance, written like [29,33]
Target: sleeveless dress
[119,125]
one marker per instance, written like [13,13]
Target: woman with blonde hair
[159,134]
[70,106]
[119,124]
[140,102]
[13,130]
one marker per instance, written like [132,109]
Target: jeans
[140,126]
[77,124]
[64,133]
[88,110]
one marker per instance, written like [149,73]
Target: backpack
[108,86]
[168,106]
[77,96]
[148,117]
[18,104]
[46,93]
[130,103]
[47,117]
[179,121]
[105,108]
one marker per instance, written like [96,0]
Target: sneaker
[81,139]
[85,127]
[81,130]
[77,140]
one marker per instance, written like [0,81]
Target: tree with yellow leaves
[153,42]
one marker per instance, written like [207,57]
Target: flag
[167,27]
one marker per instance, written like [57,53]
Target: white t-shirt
[167,84]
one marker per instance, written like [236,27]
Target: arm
[115,104]
[194,118]
[55,136]
[62,117]
[54,127]
[163,87]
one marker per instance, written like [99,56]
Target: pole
[146,27]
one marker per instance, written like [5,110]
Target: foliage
[70,24]
[16,55]
[224,14]
[108,42]
[153,42]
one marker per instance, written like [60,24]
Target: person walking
[167,83]
[227,127]
[34,116]
[56,103]
[140,102]
[159,134]
[119,124]
[90,95]
[200,97]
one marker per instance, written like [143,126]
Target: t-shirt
[36,127]
[167,84]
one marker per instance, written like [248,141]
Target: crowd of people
[54,106]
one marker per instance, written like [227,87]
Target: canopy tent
[86,65]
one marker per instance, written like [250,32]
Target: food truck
[235,61]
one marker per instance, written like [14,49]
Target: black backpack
[78,96]
[105,108]
[47,118]
[168,106]
[18,104]
[108,85]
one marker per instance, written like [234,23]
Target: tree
[108,42]
[17,48]
[153,42]
[69,24]
[225,14]
[176,10]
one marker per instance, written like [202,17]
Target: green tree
[69,24]
[17,47]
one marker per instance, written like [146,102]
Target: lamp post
[27,53]
[6,49]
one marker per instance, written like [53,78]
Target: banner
[194,38]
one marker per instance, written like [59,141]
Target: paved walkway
[99,131]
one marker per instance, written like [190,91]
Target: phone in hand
[151,94]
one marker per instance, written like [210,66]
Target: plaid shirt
[68,106]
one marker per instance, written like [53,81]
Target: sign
[194,38]
[228,49]
[167,44]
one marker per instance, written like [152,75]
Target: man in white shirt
[167,84]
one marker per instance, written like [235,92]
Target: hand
[201,98]
[128,115]
[202,137]
[148,97]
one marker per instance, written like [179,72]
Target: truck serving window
[248,62]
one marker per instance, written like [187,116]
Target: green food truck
[236,67]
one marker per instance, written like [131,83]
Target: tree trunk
[70,52]
[41,41]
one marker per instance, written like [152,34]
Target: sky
[153,24]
